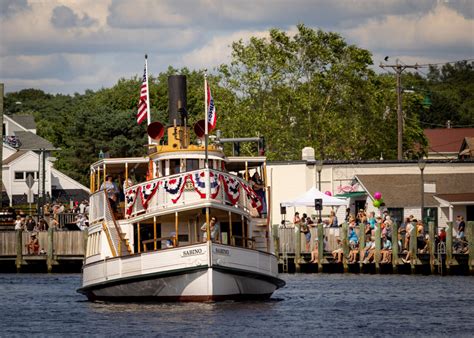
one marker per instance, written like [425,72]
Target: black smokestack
[177,99]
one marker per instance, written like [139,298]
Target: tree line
[310,89]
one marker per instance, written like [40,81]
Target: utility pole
[398,68]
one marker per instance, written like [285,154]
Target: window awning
[352,194]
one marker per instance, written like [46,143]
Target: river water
[309,305]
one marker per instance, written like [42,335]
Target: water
[310,305]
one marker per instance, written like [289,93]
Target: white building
[22,157]
[448,187]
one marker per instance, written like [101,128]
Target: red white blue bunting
[231,187]
[199,182]
[175,187]
[130,198]
[253,197]
[147,190]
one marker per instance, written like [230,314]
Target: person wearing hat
[33,245]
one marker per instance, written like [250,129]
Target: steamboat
[190,226]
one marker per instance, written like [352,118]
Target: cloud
[64,17]
[442,31]
[9,8]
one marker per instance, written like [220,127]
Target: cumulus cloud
[9,8]
[64,17]
[442,30]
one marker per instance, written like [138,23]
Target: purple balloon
[328,193]
[377,195]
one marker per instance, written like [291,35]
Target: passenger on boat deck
[112,191]
[214,229]
[259,187]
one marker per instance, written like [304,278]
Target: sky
[68,46]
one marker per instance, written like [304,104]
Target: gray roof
[26,121]
[30,141]
[14,156]
[405,190]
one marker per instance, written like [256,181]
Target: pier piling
[321,258]
[19,250]
[395,259]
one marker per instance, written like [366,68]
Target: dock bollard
[276,240]
[412,247]
[378,245]
[297,248]
[320,247]
[19,250]
[470,239]
[49,252]
[361,245]
[345,245]
[432,232]
[394,240]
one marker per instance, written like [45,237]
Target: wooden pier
[440,259]
[60,251]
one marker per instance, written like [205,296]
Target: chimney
[177,100]
[307,154]
[448,124]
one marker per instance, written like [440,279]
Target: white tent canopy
[307,200]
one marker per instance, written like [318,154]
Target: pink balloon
[328,193]
[377,195]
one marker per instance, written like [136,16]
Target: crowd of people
[370,222]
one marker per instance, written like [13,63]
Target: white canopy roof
[307,200]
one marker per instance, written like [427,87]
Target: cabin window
[174,166]
[192,164]
[19,175]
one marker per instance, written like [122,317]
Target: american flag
[211,112]
[142,105]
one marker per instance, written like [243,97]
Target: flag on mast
[143,110]
[211,110]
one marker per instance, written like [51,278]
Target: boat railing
[98,202]
[188,188]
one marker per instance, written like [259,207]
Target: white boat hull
[202,272]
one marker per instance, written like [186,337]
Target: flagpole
[206,128]
[206,140]
[148,114]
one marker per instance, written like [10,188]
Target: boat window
[174,166]
[192,164]
[163,168]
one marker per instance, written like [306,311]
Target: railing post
[470,238]
[394,240]
[345,246]
[320,247]
[19,249]
[431,229]
[297,247]
[49,253]
[413,248]
[378,239]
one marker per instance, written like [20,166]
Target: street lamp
[422,165]
[319,168]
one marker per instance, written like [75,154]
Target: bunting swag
[175,187]
[254,199]
[147,190]
[199,182]
[232,188]
[130,198]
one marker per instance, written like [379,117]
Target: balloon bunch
[378,200]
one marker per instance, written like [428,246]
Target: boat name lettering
[192,252]
[222,251]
